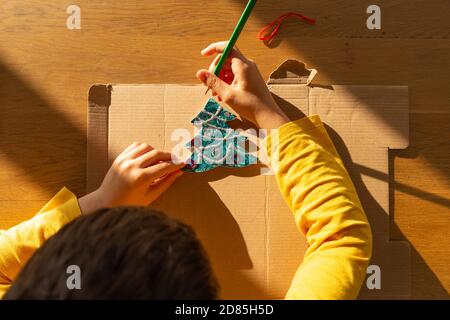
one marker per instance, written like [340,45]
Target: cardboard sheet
[239,214]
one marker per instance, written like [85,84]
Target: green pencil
[237,31]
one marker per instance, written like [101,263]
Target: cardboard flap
[292,72]
[364,115]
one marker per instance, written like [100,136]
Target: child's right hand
[244,90]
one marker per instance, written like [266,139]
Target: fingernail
[176,160]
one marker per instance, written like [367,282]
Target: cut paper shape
[216,144]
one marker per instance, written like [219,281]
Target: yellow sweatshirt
[314,183]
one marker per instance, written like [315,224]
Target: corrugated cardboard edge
[292,72]
[99,101]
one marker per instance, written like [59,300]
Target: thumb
[217,85]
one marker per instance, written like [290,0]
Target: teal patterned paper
[216,144]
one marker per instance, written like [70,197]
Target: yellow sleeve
[19,243]
[321,195]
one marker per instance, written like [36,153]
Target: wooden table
[46,70]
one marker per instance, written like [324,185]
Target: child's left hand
[138,176]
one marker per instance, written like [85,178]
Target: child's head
[122,253]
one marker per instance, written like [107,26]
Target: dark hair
[122,253]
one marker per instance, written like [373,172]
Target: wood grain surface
[46,71]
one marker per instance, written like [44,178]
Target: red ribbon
[276,25]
